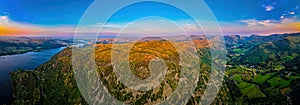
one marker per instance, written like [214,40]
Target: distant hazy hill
[17,45]
[255,39]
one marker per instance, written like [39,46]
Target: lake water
[28,61]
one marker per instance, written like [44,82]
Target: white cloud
[269,8]
[4,20]
[254,22]
[292,13]
[250,22]
[264,27]
[109,25]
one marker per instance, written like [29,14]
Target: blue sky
[234,16]
[234,10]
[45,12]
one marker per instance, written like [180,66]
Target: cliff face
[51,83]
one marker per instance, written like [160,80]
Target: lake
[28,61]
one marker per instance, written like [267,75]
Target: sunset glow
[263,18]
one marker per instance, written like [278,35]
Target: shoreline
[6,80]
[2,55]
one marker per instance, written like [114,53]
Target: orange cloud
[250,26]
[11,28]
[8,31]
[296,26]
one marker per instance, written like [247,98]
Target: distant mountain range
[18,45]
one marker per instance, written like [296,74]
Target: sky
[61,17]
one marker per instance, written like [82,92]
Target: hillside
[278,51]
[274,79]
[55,79]
[267,65]
[51,83]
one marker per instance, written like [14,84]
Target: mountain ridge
[269,84]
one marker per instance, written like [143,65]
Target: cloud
[109,25]
[292,13]
[4,20]
[157,26]
[12,28]
[269,8]
[147,26]
[263,27]
[254,22]
[144,26]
